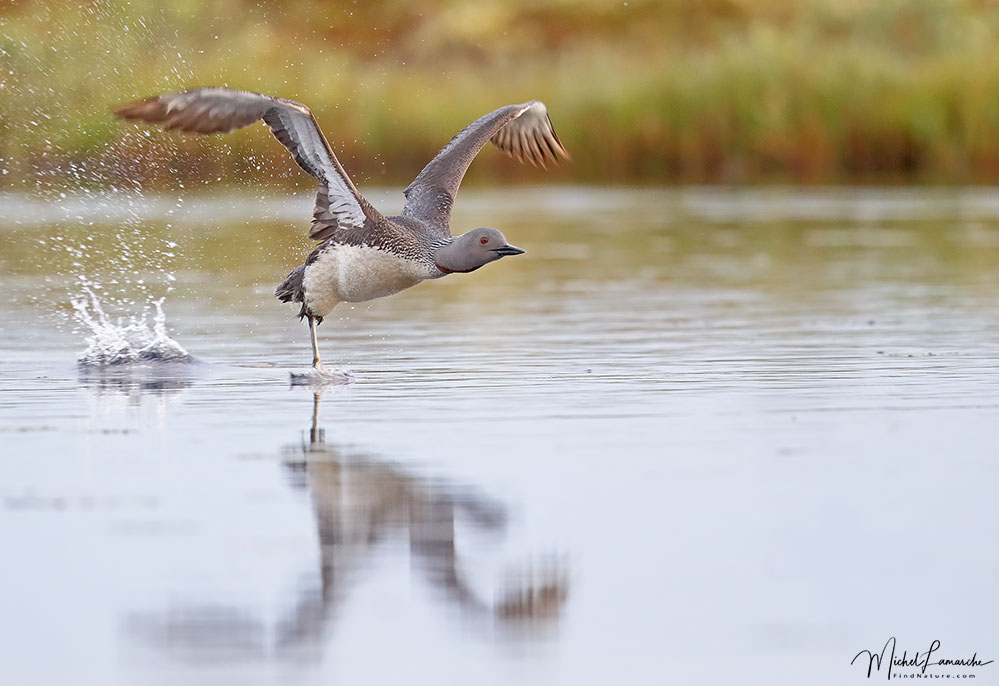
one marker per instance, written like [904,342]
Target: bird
[362,254]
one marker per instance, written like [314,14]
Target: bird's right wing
[210,110]
[523,131]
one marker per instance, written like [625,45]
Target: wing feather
[213,110]
[521,131]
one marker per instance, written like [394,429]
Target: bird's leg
[316,364]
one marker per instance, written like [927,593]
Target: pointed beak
[508,250]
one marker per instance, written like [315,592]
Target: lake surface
[693,436]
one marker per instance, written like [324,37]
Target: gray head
[471,250]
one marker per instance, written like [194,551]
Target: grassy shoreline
[728,91]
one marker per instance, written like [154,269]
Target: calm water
[692,436]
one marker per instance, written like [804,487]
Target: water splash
[116,342]
[319,380]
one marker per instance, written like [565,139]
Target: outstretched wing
[209,110]
[523,131]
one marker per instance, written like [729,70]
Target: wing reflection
[359,502]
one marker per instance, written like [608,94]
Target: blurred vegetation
[639,91]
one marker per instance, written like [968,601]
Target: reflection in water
[759,377]
[137,379]
[358,503]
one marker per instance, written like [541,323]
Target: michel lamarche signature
[921,661]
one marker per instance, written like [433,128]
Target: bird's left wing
[211,110]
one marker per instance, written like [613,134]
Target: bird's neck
[449,259]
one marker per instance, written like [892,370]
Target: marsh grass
[716,91]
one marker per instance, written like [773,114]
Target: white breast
[355,273]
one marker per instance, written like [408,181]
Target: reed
[643,91]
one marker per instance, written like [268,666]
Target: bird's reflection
[358,502]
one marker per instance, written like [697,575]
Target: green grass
[643,91]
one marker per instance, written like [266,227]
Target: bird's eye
[483,240]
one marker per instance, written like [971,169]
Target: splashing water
[116,343]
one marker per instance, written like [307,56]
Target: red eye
[483,240]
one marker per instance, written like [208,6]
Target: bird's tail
[292,290]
